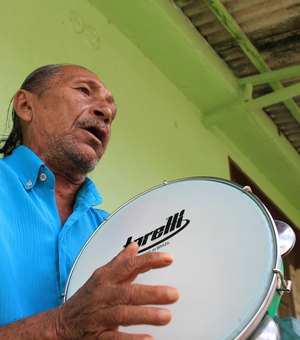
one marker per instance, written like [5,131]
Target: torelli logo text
[174,225]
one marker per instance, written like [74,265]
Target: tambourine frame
[274,282]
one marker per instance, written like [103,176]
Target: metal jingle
[266,330]
[287,237]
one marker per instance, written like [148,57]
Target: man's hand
[109,299]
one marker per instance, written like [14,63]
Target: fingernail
[164,315]
[133,247]
[168,257]
[173,294]
[134,244]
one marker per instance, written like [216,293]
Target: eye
[84,90]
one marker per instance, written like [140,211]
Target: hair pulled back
[36,82]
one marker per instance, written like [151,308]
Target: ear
[23,104]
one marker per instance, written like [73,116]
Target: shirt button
[43,177]
[29,183]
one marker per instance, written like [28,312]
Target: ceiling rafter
[259,40]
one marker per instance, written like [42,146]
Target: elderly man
[62,119]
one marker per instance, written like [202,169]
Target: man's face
[71,122]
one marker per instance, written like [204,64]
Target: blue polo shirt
[36,250]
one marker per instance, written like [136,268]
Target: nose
[104,114]
[106,108]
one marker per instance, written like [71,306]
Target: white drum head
[224,245]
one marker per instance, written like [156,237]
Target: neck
[68,179]
[65,195]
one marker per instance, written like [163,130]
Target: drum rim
[258,316]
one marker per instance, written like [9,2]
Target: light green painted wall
[158,133]
[166,37]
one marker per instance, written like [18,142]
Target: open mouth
[96,132]
[97,128]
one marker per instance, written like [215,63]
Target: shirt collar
[27,165]
[89,194]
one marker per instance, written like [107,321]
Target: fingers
[136,294]
[130,269]
[114,335]
[131,250]
[127,265]
[125,315]
[109,299]
[123,256]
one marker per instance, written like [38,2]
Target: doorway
[290,304]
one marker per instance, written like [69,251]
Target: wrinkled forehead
[72,72]
[75,75]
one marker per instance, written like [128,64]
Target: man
[62,123]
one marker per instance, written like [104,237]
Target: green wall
[163,91]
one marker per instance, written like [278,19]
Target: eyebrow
[95,84]
[89,81]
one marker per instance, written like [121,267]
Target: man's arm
[106,301]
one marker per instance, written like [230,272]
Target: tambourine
[227,261]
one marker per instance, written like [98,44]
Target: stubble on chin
[65,156]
